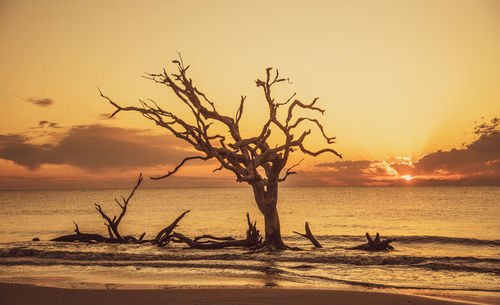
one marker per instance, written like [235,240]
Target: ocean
[447,240]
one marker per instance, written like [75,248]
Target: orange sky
[397,79]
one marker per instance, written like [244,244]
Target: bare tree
[252,159]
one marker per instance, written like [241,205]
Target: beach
[447,250]
[18,294]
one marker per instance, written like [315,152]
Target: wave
[277,273]
[302,259]
[447,240]
[423,239]
[305,255]
[378,285]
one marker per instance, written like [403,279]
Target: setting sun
[407,177]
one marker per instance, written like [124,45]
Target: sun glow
[407,177]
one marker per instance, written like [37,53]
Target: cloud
[42,102]
[101,150]
[16,148]
[478,157]
[478,163]
[94,148]
[345,172]
[126,180]
[347,165]
[361,172]
[48,124]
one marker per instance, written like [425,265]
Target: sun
[407,177]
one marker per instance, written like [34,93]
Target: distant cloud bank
[478,163]
[93,147]
[98,148]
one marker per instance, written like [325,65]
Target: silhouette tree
[252,160]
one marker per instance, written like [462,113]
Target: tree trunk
[272,228]
[266,197]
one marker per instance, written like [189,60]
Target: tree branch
[245,157]
[163,235]
[180,165]
[319,152]
[302,105]
[112,224]
[289,171]
[310,236]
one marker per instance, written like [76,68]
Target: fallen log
[206,241]
[208,236]
[375,244]
[253,239]
[310,236]
[163,236]
[83,237]
[214,245]
[211,239]
[88,238]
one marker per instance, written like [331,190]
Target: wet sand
[20,294]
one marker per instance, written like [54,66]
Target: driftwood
[253,239]
[163,236]
[112,224]
[375,244]
[84,237]
[160,239]
[211,237]
[310,236]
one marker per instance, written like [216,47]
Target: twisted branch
[112,224]
[180,165]
[243,156]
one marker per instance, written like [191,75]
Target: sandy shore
[18,294]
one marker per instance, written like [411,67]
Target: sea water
[447,239]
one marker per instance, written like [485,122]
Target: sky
[404,85]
